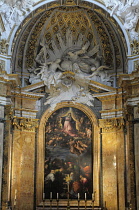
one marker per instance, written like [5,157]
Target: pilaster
[113,163]
[7,146]
[130,158]
[23,167]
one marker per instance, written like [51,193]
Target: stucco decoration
[13,12]
[68,69]
[128,11]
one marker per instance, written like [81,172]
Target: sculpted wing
[93,51]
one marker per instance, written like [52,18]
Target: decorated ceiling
[49,26]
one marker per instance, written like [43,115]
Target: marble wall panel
[121,169]
[23,169]
[109,170]
[29,104]
[113,164]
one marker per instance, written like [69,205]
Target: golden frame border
[41,150]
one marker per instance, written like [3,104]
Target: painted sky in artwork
[68,154]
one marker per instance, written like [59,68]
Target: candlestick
[78,201]
[43,196]
[50,195]
[43,200]
[78,196]
[14,202]
[92,196]
[15,197]
[51,204]
[15,193]
[85,196]
[57,200]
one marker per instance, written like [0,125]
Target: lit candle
[85,196]
[92,196]
[57,196]
[14,202]
[78,196]
[15,197]
[15,194]
[43,196]
[50,195]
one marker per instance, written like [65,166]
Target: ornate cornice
[9,78]
[111,124]
[22,123]
[125,80]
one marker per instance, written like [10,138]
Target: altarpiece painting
[68,155]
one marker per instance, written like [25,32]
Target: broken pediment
[71,87]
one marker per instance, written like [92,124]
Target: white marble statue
[5,10]
[13,12]
[48,72]
[44,73]
[128,11]
[115,5]
[67,69]
[33,78]
[53,76]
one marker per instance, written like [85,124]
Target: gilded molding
[22,123]
[3,46]
[28,95]
[111,124]
[113,110]
[26,110]
[70,3]
[40,148]
[135,47]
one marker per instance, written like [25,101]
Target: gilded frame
[41,152]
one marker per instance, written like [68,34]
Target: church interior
[69,104]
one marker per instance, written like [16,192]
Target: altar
[69,105]
[73,205]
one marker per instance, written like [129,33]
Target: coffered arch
[84,18]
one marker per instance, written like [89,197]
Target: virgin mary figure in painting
[69,125]
[68,153]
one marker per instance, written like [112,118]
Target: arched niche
[85,18]
[95,140]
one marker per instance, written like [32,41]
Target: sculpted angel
[48,72]
[115,5]
[82,58]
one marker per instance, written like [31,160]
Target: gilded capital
[111,124]
[22,123]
